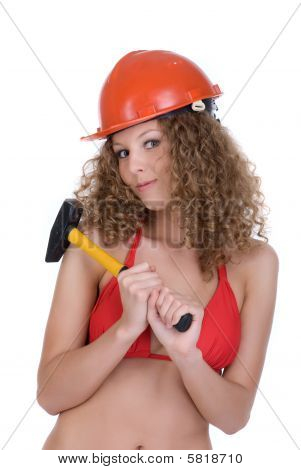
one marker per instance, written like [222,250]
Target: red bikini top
[220,331]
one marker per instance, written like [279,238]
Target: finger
[166,305]
[176,305]
[137,268]
[164,291]
[151,298]
[177,314]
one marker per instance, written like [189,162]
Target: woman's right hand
[135,286]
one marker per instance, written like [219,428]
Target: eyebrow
[145,132]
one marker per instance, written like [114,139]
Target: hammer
[64,231]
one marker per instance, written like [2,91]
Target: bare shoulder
[262,249]
[259,250]
[244,266]
[261,260]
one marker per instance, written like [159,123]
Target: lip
[146,186]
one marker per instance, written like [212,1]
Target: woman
[113,367]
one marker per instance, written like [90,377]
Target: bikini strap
[131,254]
[222,271]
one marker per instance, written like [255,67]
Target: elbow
[233,427]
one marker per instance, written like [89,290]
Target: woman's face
[143,155]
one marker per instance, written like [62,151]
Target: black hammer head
[67,218]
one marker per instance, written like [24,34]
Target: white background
[54,58]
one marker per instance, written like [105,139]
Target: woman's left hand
[166,307]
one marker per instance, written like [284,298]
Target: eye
[117,154]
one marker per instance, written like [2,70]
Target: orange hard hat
[149,84]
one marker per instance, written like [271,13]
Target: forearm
[223,403]
[73,376]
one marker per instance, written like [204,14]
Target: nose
[136,163]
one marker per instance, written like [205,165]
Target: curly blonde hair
[213,185]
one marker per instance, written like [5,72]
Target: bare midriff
[142,404]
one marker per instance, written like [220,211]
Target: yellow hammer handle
[84,243]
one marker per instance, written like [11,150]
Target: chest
[179,270]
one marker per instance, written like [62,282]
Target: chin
[155,206]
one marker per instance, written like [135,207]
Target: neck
[165,228]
